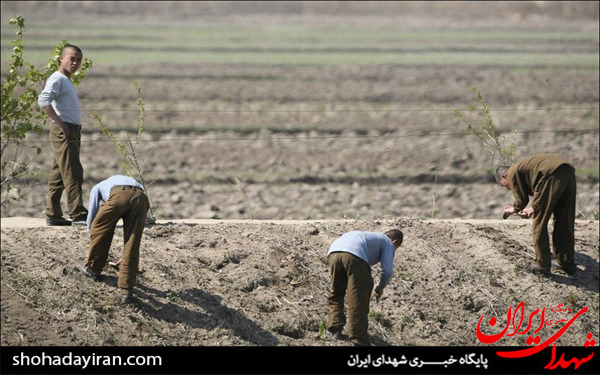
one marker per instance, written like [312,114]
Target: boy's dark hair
[71,46]
[395,234]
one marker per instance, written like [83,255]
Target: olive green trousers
[66,173]
[350,280]
[555,197]
[130,204]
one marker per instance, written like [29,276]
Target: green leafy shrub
[130,166]
[485,130]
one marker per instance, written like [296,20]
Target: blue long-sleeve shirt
[372,247]
[101,193]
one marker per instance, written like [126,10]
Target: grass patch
[291,43]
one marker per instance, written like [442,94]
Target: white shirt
[60,92]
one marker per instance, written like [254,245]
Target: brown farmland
[303,147]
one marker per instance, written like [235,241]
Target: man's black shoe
[125,298]
[80,219]
[571,271]
[82,269]
[359,342]
[338,335]
[542,272]
[57,221]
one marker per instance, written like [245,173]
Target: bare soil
[312,143]
[246,283]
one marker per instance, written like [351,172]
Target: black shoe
[338,335]
[542,272]
[125,298]
[80,219]
[82,269]
[358,342]
[535,269]
[571,271]
[57,221]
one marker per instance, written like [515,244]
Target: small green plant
[130,165]
[380,319]
[441,318]
[573,298]
[172,296]
[104,306]
[404,275]
[486,132]
[493,280]
[376,315]
[321,330]
[93,291]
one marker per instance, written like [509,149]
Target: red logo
[536,321]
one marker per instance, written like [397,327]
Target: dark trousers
[351,279]
[66,173]
[556,196]
[130,204]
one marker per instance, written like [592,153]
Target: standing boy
[59,101]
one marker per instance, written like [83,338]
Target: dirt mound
[264,283]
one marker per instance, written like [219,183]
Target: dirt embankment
[239,283]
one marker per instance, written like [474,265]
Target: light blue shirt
[372,247]
[101,193]
[60,93]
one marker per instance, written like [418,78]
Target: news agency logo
[535,323]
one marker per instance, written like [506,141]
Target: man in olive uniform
[550,180]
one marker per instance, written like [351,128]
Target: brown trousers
[555,197]
[66,173]
[351,279]
[131,204]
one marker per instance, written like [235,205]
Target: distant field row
[132,44]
